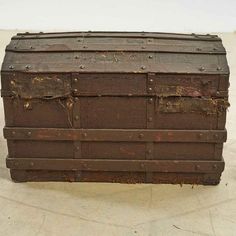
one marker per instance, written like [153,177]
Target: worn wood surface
[108,106]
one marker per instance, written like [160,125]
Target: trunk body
[115,107]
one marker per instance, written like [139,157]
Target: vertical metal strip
[221,117]
[11,121]
[221,120]
[222,83]
[218,151]
[150,123]
[76,115]
[11,148]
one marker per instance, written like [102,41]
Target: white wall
[134,15]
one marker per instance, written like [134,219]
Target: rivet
[149,89]
[143,67]
[150,100]
[142,165]
[31,164]
[76,117]
[81,66]
[76,99]
[143,47]
[217,93]
[31,47]
[219,68]
[77,148]
[27,67]
[75,80]
[75,90]
[200,135]
[204,82]
[198,49]
[216,136]
[11,67]
[27,106]
[79,40]
[214,166]
[214,49]
[15,47]
[149,151]
[85,46]
[85,135]
[13,132]
[150,119]
[201,68]
[197,167]
[29,133]
[76,57]
[140,135]
[150,56]
[150,81]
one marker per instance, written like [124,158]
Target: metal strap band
[76,124]
[136,135]
[116,165]
[116,48]
[118,35]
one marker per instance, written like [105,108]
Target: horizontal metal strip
[116,48]
[137,135]
[116,44]
[116,165]
[5,93]
[121,62]
[124,67]
[120,34]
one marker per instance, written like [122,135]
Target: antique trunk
[115,107]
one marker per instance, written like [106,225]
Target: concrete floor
[45,209]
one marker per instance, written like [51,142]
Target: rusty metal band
[7,93]
[218,148]
[150,125]
[116,165]
[76,118]
[94,67]
[76,124]
[136,135]
[119,35]
[119,48]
